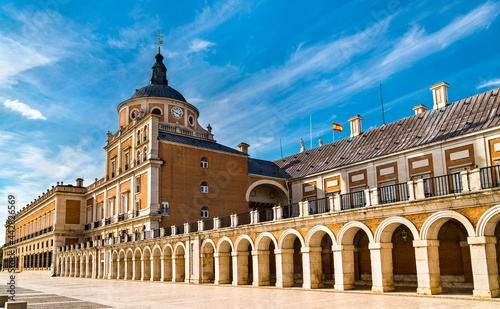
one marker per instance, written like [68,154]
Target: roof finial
[160,41]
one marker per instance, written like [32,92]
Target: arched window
[145,133]
[204,212]
[138,137]
[145,154]
[138,157]
[156,111]
[204,163]
[204,187]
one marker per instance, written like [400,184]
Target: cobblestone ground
[42,291]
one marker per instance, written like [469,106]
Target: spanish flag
[337,127]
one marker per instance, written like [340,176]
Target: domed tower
[176,114]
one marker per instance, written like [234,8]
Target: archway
[90,266]
[264,194]
[114,265]
[167,263]
[179,263]
[129,265]
[77,266]
[224,262]
[319,244]
[289,259]
[156,264]
[83,266]
[146,264]
[137,264]
[207,260]
[243,261]
[121,265]
[265,260]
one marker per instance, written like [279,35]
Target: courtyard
[42,291]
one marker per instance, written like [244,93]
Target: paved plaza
[41,291]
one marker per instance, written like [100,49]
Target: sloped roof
[196,142]
[163,91]
[265,168]
[472,114]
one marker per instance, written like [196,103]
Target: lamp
[404,235]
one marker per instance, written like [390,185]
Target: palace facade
[413,204]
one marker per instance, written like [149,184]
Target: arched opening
[497,246]
[156,111]
[129,265]
[114,265]
[167,263]
[83,267]
[208,263]
[265,266]
[244,265]
[263,197]
[362,261]
[137,265]
[156,261]
[403,258]
[77,266]
[225,263]
[121,265]
[291,261]
[90,264]
[179,264]
[454,258]
[321,267]
[146,264]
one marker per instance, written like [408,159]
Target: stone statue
[320,142]
[302,145]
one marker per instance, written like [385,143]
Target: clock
[176,112]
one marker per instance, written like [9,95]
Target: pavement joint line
[62,302]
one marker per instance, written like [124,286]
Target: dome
[155,90]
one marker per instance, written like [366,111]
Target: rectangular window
[138,183]
[111,209]
[125,203]
[89,215]
[113,168]
[165,209]
[99,212]
[126,160]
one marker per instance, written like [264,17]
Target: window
[191,120]
[204,187]
[138,157]
[138,137]
[156,111]
[125,203]
[111,209]
[138,184]
[126,161]
[204,212]
[99,212]
[145,138]
[204,163]
[145,154]
[113,168]
[89,215]
[165,208]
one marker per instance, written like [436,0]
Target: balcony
[352,200]
[319,206]
[291,211]
[108,221]
[122,217]
[97,224]
[87,226]
[443,185]
[393,193]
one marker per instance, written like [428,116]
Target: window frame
[204,162]
[204,187]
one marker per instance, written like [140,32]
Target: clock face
[176,112]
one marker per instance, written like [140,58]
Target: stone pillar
[484,266]
[382,271]
[135,271]
[331,203]
[234,220]
[284,267]
[254,217]
[207,268]
[343,259]
[428,272]
[464,175]
[240,267]
[167,270]
[261,267]
[304,208]
[277,212]
[419,189]
[373,196]
[367,197]
[475,180]
[411,190]
[311,264]
[222,261]
[337,202]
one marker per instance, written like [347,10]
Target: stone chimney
[440,94]
[419,109]
[243,147]
[79,182]
[355,125]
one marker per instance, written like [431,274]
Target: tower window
[165,209]
[156,111]
[204,212]
[138,157]
[138,183]
[138,137]
[145,154]
[204,187]
[204,163]
[145,134]
[191,120]
[126,161]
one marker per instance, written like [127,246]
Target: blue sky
[256,70]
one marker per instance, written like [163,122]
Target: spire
[159,71]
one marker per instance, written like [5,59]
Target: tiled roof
[265,168]
[155,90]
[196,142]
[472,114]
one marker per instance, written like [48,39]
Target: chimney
[419,109]
[79,182]
[243,147]
[440,94]
[355,125]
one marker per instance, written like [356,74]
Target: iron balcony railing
[193,227]
[87,226]
[168,231]
[208,224]
[490,177]
[225,222]
[291,211]
[243,218]
[122,217]
[179,229]
[97,224]
[49,229]
[265,214]
[393,193]
[147,234]
[352,200]
[319,206]
[156,233]
[109,220]
[442,185]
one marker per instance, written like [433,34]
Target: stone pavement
[42,291]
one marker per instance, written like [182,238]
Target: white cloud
[488,83]
[200,45]
[24,109]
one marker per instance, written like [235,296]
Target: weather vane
[160,41]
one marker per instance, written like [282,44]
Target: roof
[186,140]
[155,90]
[469,115]
[265,168]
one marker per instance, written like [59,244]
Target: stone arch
[386,228]
[179,262]
[287,233]
[244,264]
[137,249]
[224,261]
[311,238]
[168,250]
[431,226]
[114,264]
[265,182]
[121,264]
[488,222]
[221,242]
[146,249]
[349,230]
[241,238]
[156,255]
[146,263]
[260,241]
[137,257]
[319,242]
[290,246]
[208,261]
[177,246]
[208,241]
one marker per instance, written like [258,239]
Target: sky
[260,72]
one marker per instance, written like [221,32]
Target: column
[484,266]
[343,259]
[311,263]
[261,267]
[382,272]
[284,267]
[428,272]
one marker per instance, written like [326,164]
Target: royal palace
[414,204]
